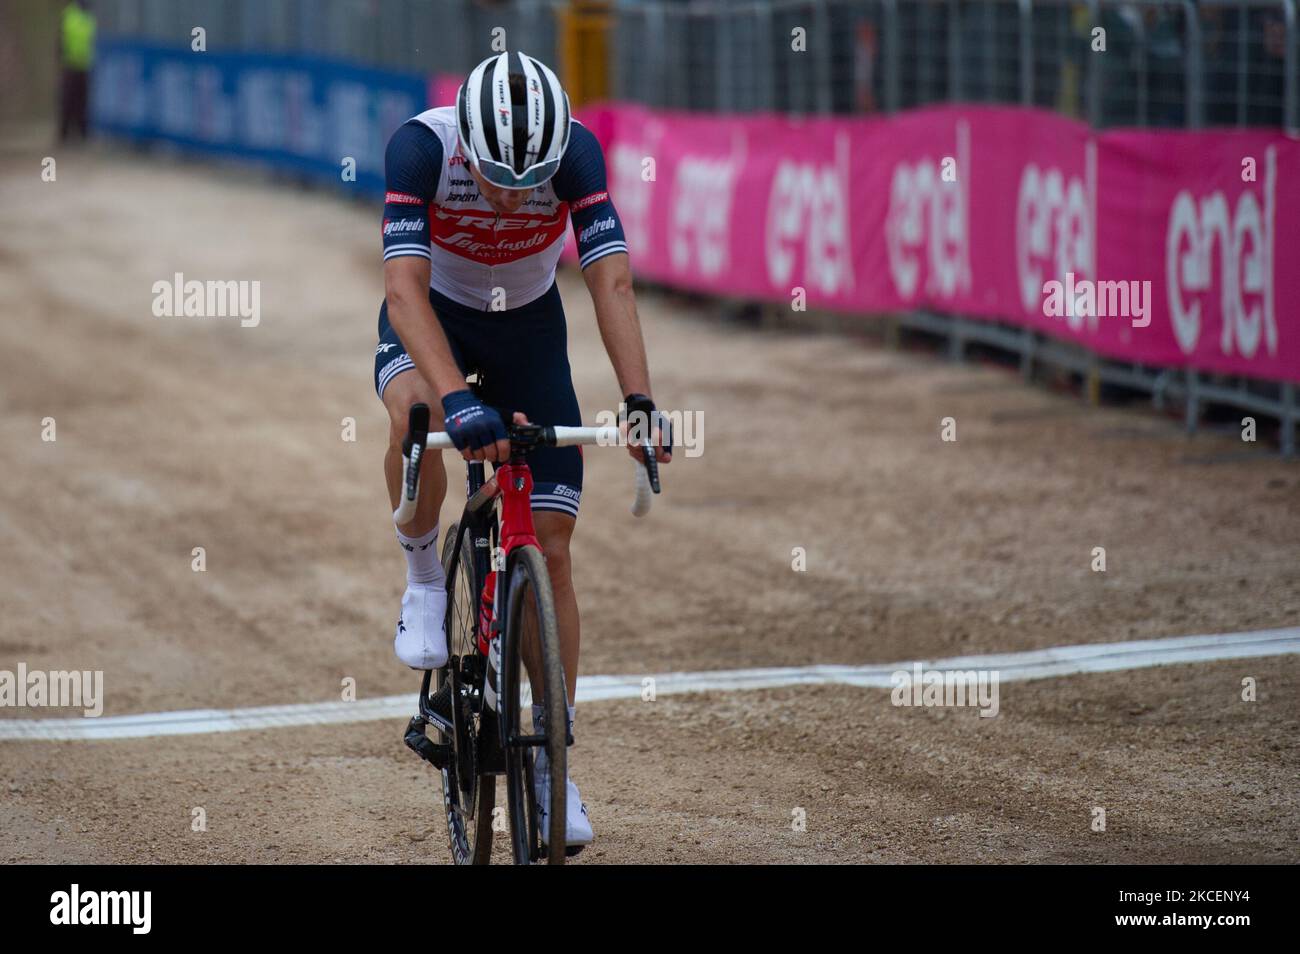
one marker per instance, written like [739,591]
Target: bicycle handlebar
[549,436]
[418,439]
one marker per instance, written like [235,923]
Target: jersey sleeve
[581,182]
[412,166]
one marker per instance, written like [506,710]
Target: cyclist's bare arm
[609,280]
[406,286]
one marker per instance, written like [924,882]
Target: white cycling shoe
[577,828]
[421,641]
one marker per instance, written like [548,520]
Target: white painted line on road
[1012,667]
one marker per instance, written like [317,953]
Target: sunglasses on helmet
[503,176]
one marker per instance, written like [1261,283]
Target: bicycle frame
[513,484]
[498,549]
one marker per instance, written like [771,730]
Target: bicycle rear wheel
[531,626]
[469,796]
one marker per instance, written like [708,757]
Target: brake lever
[651,465]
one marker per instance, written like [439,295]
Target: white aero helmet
[513,120]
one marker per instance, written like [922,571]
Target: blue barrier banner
[298,113]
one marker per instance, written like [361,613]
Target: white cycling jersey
[481,258]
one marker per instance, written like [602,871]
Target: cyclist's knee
[397,426]
[404,390]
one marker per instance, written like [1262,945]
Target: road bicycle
[500,616]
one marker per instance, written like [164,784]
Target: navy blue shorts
[524,356]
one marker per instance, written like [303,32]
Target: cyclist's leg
[418,641]
[404,390]
[399,385]
[554,531]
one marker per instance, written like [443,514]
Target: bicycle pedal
[439,756]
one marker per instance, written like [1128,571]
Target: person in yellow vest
[76,56]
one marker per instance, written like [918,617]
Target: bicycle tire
[469,832]
[530,596]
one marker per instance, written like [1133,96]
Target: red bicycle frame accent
[514,484]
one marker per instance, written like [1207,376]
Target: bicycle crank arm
[437,755]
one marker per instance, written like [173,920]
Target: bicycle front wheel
[469,795]
[532,634]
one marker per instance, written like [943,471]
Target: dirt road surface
[175,433]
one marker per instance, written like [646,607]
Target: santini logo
[103,907]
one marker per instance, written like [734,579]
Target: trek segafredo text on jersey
[433,209]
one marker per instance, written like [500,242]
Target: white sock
[422,564]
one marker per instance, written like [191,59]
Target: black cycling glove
[642,418]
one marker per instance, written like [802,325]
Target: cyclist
[474,212]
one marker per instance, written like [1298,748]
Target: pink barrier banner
[442,88]
[1160,247]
